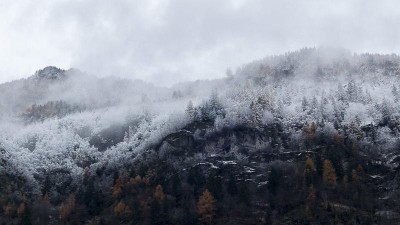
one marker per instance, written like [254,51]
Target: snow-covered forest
[73,124]
[333,91]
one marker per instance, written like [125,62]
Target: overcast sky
[166,41]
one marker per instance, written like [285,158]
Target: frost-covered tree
[190,110]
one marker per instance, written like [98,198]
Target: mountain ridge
[268,145]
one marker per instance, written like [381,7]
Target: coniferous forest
[308,137]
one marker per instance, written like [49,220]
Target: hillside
[309,137]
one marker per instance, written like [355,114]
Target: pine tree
[329,175]
[135,181]
[309,172]
[314,105]
[273,181]
[21,209]
[158,213]
[309,134]
[46,199]
[215,107]
[231,186]
[310,203]
[360,170]
[190,110]
[205,112]
[338,139]
[319,165]
[129,134]
[244,193]
[214,101]
[159,194]
[395,93]
[257,109]
[352,91]
[67,208]
[346,183]
[119,209]
[128,211]
[385,109]
[214,185]
[117,190]
[8,210]
[206,207]
[354,175]
[341,94]
[175,187]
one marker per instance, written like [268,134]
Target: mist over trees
[62,128]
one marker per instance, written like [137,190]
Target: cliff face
[258,177]
[255,176]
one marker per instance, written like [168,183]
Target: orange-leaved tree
[309,172]
[117,190]
[67,208]
[21,209]
[159,194]
[206,207]
[329,175]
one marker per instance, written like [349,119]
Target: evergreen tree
[257,109]
[21,209]
[67,208]
[244,193]
[304,104]
[159,194]
[273,181]
[329,175]
[319,165]
[176,187]
[206,207]
[9,210]
[119,208]
[309,172]
[309,134]
[196,178]
[158,213]
[352,91]
[386,112]
[26,218]
[310,203]
[395,93]
[190,110]
[232,186]
[205,111]
[117,190]
[314,106]
[214,185]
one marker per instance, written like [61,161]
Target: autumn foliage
[159,194]
[117,190]
[67,208]
[8,209]
[21,209]
[309,172]
[206,207]
[121,209]
[329,175]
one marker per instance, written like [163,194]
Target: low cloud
[178,40]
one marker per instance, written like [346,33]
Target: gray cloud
[177,40]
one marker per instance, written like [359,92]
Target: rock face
[51,73]
[183,139]
[271,177]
